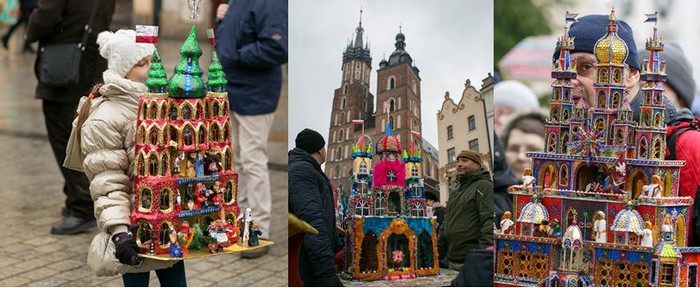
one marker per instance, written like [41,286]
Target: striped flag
[571,17]
[146,34]
[358,122]
[652,17]
[210,35]
[415,133]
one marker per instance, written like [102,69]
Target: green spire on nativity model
[217,79]
[187,81]
[157,81]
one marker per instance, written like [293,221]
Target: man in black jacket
[59,22]
[311,199]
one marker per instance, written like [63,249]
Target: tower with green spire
[187,81]
[217,79]
[157,81]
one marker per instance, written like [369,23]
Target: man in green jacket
[469,213]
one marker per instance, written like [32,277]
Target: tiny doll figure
[178,160]
[528,180]
[190,172]
[544,228]
[175,250]
[647,235]
[246,224]
[254,233]
[199,198]
[600,227]
[556,228]
[506,223]
[199,165]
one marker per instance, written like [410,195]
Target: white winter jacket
[105,153]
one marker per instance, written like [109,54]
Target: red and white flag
[146,34]
[210,35]
[415,133]
[358,122]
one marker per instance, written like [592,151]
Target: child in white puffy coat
[102,145]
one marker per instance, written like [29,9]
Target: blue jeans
[168,277]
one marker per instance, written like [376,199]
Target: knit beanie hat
[588,29]
[310,141]
[471,155]
[121,50]
[514,95]
[679,72]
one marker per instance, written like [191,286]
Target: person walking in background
[63,21]
[469,213]
[26,8]
[252,46]
[431,200]
[311,199]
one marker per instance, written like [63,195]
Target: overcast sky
[450,41]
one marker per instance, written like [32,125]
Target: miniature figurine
[528,180]
[178,160]
[647,235]
[200,199]
[197,238]
[199,165]
[506,223]
[600,228]
[146,200]
[190,172]
[175,250]
[556,228]
[254,233]
[544,228]
[246,224]
[654,189]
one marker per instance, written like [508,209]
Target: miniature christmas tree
[187,81]
[217,78]
[157,81]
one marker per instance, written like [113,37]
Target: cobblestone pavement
[31,184]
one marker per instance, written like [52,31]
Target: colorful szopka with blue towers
[390,235]
[601,206]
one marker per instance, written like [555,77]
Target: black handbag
[59,64]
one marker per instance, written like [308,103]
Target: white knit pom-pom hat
[121,50]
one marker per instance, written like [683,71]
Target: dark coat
[477,270]
[468,217]
[502,179]
[311,199]
[252,46]
[63,21]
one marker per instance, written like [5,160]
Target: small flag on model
[210,35]
[571,17]
[146,34]
[358,122]
[652,17]
[415,133]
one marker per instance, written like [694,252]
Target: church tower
[398,94]
[351,101]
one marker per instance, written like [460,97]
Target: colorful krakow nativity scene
[600,207]
[389,234]
[185,186]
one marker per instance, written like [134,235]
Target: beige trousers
[250,135]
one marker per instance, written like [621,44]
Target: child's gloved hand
[126,248]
